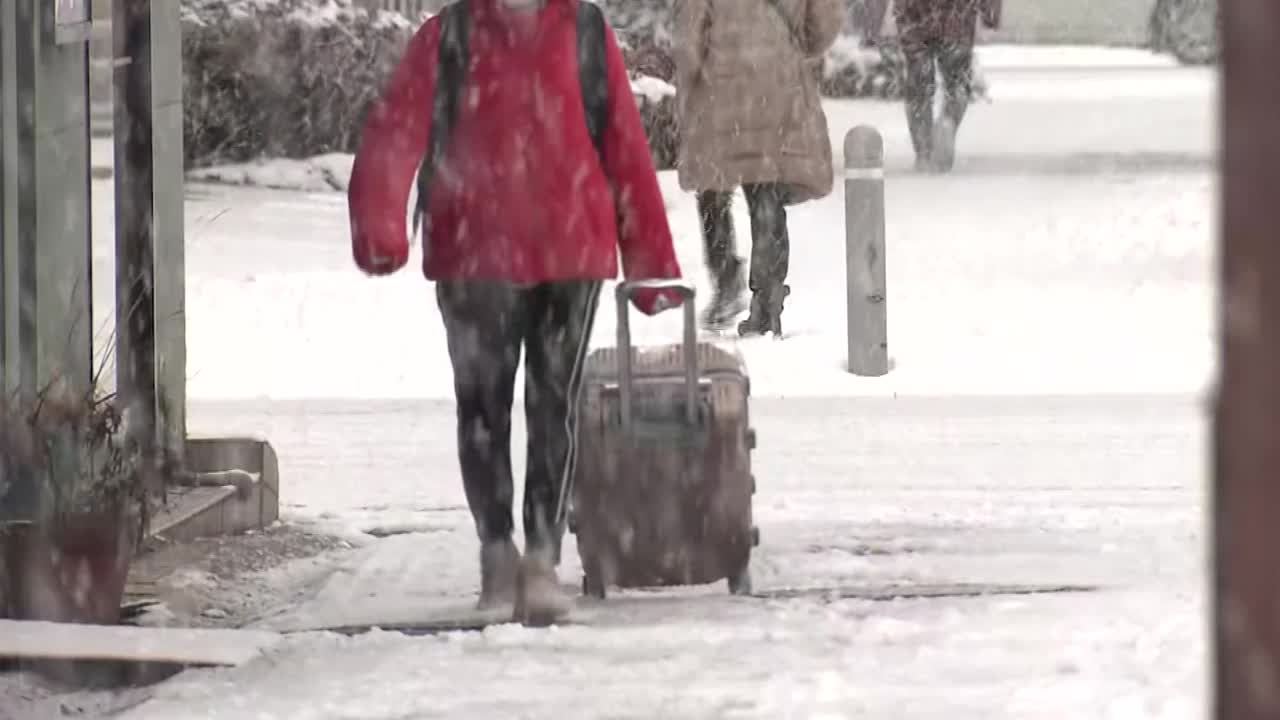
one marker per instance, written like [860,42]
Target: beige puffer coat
[748,104]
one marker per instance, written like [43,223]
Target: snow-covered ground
[1052,336]
[855,495]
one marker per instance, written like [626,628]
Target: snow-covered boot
[540,601]
[499,567]
[766,312]
[728,301]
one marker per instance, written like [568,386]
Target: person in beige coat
[750,117]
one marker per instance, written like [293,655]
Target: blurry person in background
[937,38]
[750,117]
[523,218]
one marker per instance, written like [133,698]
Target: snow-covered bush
[853,70]
[657,100]
[281,78]
[293,78]
[640,22]
[1186,28]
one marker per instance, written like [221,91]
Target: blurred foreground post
[1246,485]
[868,333]
[150,257]
[46,320]
[45,315]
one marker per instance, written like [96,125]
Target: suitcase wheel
[751,438]
[755,536]
[593,587]
[753,484]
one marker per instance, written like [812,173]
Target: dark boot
[729,299]
[766,312]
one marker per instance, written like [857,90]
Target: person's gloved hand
[375,250]
[380,265]
[652,302]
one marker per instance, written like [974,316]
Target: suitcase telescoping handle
[625,292]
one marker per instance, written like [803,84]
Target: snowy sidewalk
[853,493]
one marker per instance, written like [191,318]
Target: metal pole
[1246,575]
[868,332]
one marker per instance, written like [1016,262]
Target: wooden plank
[29,639]
[1246,495]
[189,504]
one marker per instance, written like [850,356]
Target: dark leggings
[488,325]
[770,242]
[953,59]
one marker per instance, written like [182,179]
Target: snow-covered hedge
[293,78]
[657,100]
[281,78]
[1188,29]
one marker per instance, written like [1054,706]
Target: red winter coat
[524,197]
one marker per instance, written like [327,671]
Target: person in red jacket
[524,220]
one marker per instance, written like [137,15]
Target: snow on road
[1051,331]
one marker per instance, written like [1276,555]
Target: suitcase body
[661,494]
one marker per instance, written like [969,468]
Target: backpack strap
[451,75]
[593,71]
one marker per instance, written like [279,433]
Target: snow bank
[317,174]
[281,78]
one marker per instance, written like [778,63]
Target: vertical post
[1246,576]
[47,316]
[150,262]
[168,223]
[868,332]
[45,294]
[135,265]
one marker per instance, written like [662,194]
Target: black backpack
[451,75]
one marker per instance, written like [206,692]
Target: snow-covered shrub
[657,100]
[1186,28]
[853,70]
[281,78]
[640,21]
[293,78]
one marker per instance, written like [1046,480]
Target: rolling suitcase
[662,485]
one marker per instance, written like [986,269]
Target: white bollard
[867,295]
